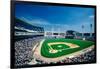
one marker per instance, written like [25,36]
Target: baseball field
[52,48]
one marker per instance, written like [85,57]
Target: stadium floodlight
[90,30]
[59,31]
[52,30]
[82,31]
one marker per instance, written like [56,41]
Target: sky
[56,18]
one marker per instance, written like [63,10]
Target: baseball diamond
[59,46]
[52,48]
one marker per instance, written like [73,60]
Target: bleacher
[26,37]
[25,30]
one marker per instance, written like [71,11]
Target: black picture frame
[12,51]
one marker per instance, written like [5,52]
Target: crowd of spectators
[23,50]
[24,53]
[86,57]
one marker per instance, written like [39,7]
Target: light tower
[52,30]
[58,31]
[90,30]
[82,31]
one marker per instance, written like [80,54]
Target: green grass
[45,48]
[56,47]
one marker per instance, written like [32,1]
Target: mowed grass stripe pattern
[45,48]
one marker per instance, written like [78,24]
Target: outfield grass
[45,48]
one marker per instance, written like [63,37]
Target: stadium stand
[89,56]
[25,30]
[71,34]
[26,37]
